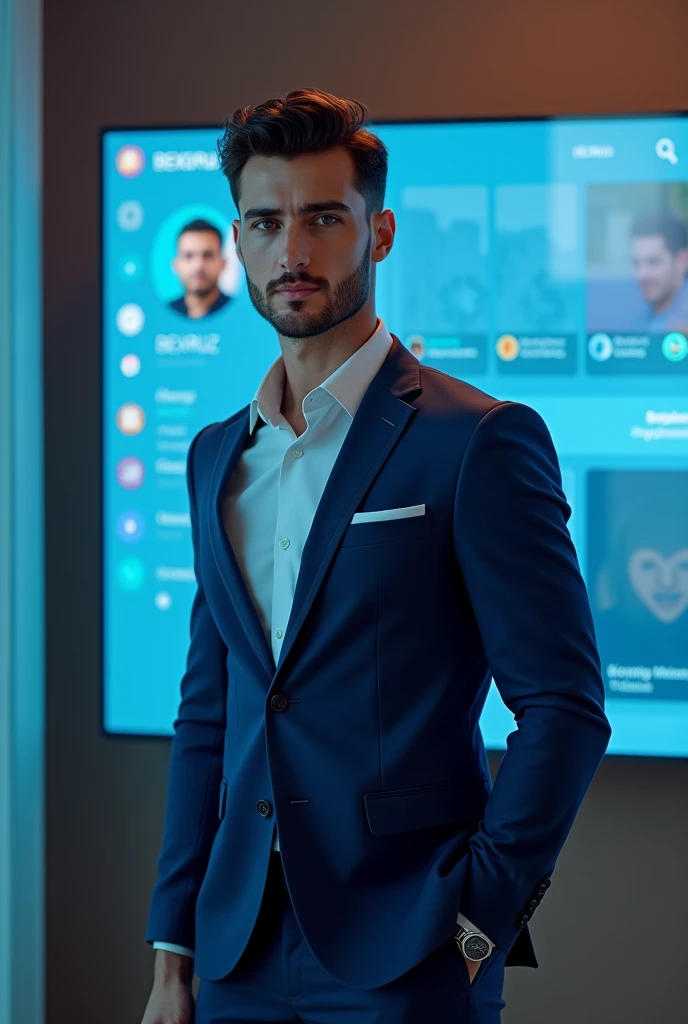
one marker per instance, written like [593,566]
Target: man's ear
[236,224]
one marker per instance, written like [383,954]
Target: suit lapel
[376,428]
[233,443]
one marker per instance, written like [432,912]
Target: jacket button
[263,807]
[279,702]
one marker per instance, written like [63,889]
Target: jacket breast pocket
[387,531]
[402,810]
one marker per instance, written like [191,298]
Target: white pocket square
[388,513]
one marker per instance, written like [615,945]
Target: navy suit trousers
[277,979]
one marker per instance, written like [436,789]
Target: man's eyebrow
[272,211]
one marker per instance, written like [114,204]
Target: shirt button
[284,543]
[263,807]
[297,453]
[278,634]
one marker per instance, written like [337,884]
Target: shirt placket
[293,522]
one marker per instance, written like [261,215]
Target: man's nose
[294,249]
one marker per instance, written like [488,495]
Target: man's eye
[328,215]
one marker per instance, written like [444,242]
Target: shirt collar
[347,384]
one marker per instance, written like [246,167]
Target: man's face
[659,272]
[199,262]
[330,248]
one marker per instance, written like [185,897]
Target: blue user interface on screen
[545,262]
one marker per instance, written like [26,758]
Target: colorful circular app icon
[131,419]
[130,472]
[600,347]
[130,268]
[508,347]
[675,347]
[130,215]
[130,161]
[130,573]
[130,319]
[130,526]
[130,365]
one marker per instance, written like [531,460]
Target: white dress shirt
[273,493]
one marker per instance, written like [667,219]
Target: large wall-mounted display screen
[543,261]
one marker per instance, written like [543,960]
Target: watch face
[476,948]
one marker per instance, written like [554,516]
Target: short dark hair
[669,225]
[305,121]
[201,225]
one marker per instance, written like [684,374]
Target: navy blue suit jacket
[376,772]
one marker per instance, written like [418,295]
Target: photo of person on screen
[198,264]
[639,571]
[659,250]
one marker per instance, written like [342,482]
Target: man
[198,264]
[373,540]
[660,262]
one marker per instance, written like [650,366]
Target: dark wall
[622,874]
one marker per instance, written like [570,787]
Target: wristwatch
[473,945]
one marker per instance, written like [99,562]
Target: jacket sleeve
[195,769]
[531,605]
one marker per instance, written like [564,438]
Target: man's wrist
[170,966]
[463,922]
[464,925]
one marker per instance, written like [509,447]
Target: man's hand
[171,1000]
[473,967]
[169,1003]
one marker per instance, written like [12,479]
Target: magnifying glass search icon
[666,150]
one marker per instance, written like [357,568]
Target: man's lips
[298,293]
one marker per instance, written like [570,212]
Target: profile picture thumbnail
[416,345]
[195,269]
[638,575]
[637,263]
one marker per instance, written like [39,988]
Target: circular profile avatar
[194,265]
[198,265]
[416,345]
